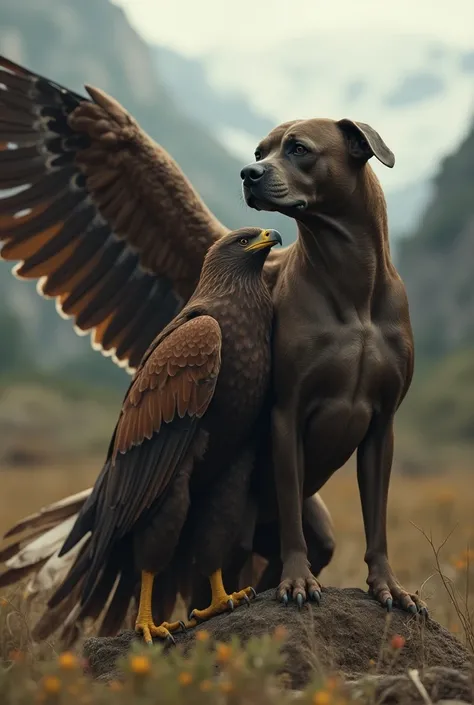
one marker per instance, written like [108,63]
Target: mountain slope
[437,262]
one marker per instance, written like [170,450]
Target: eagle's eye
[243,241]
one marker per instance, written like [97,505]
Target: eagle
[183,449]
[105,221]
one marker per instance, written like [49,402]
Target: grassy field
[440,506]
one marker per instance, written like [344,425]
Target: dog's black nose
[252,172]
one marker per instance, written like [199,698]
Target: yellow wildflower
[51,685]
[140,665]
[67,661]
[223,653]
[202,635]
[280,633]
[185,678]
[322,697]
[205,686]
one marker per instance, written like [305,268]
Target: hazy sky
[194,26]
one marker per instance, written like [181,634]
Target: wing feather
[105,218]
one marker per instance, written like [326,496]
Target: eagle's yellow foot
[144,624]
[221,601]
[164,631]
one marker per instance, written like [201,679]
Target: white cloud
[196,26]
[297,58]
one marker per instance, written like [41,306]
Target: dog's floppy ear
[364,142]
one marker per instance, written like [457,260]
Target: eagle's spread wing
[108,223]
[170,392]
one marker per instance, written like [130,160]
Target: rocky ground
[347,634]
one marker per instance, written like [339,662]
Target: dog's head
[309,166]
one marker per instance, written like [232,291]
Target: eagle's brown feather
[108,223]
[177,378]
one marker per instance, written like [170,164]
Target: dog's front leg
[374,464]
[297,581]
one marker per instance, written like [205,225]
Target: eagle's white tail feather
[53,572]
[42,547]
[39,546]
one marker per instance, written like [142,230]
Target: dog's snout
[252,172]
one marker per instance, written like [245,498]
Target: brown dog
[343,347]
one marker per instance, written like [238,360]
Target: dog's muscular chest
[342,369]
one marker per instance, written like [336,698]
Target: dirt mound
[343,634]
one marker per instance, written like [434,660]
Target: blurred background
[208,80]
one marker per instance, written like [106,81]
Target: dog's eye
[258,155]
[299,149]
[243,241]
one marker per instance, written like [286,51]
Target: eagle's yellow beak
[267,238]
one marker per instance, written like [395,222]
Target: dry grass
[440,506]
[421,509]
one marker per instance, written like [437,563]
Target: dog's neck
[347,252]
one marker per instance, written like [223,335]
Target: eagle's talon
[149,631]
[223,603]
[182,625]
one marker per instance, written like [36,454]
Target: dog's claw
[284,599]
[299,600]
[316,596]
[423,612]
[389,604]
[412,609]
